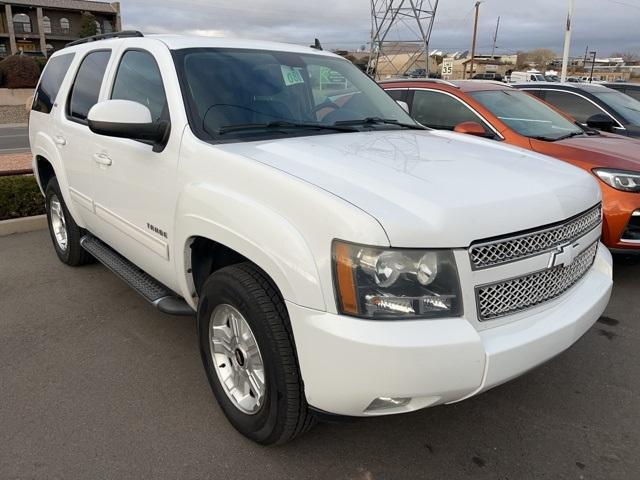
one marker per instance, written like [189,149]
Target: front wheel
[248,353]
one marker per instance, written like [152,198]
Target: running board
[159,295]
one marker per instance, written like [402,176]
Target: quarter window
[49,86]
[138,79]
[579,108]
[442,112]
[86,88]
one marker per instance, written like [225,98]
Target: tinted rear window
[52,78]
[86,87]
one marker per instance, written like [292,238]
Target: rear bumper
[346,363]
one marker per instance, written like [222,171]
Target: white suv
[340,257]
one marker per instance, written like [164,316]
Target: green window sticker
[291,75]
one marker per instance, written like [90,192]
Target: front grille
[496,252]
[522,293]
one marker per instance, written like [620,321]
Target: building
[460,65]
[40,27]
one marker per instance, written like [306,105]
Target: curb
[13,125]
[22,225]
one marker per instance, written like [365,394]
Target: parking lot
[95,383]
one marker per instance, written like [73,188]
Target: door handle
[102,159]
[60,140]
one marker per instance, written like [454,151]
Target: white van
[528,76]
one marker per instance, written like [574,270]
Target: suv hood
[432,189]
[604,150]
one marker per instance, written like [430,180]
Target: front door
[135,184]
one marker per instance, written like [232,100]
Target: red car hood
[605,150]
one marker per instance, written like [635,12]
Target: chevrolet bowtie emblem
[564,255]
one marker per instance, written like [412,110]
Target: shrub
[41,61]
[20,197]
[19,72]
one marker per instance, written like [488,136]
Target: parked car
[552,78]
[502,113]
[488,76]
[340,258]
[631,89]
[592,105]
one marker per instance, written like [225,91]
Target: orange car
[502,113]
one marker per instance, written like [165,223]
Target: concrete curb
[22,225]
[13,125]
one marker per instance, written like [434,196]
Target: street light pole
[593,65]
[567,43]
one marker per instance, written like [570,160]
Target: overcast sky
[603,25]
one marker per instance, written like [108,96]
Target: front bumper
[346,362]
[618,208]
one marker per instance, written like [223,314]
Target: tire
[65,233]
[282,412]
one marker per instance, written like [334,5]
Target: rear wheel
[64,231]
[249,355]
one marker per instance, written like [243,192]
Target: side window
[138,79]
[442,112]
[86,87]
[398,95]
[50,82]
[538,93]
[579,108]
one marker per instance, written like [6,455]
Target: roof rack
[430,80]
[105,36]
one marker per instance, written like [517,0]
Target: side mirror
[600,121]
[471,128]
[126,119]
[404,105]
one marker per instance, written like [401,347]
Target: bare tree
[628,57]
[541,57]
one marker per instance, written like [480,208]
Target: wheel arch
[247,231]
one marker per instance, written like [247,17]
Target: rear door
[135,189]
[72,135]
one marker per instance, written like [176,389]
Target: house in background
[40,27]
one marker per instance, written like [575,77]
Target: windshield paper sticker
[291,75]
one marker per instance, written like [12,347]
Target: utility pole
[593,66]
[567,44]
[473,43]
[495,39]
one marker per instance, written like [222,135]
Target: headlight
[383,283]
[620,179]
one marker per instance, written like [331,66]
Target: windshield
[625,105]
[238,93]
[526,115]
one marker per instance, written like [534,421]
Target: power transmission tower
[400,34]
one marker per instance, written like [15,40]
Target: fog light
[384,403]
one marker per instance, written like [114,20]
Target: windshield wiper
[280,124]
[555,139]
[380,121]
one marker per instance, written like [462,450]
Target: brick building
[39,27]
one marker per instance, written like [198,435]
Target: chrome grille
[515,295]
[497,252]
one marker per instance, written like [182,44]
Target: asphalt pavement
[97,384]
[14,139]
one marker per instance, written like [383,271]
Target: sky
[605,26]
